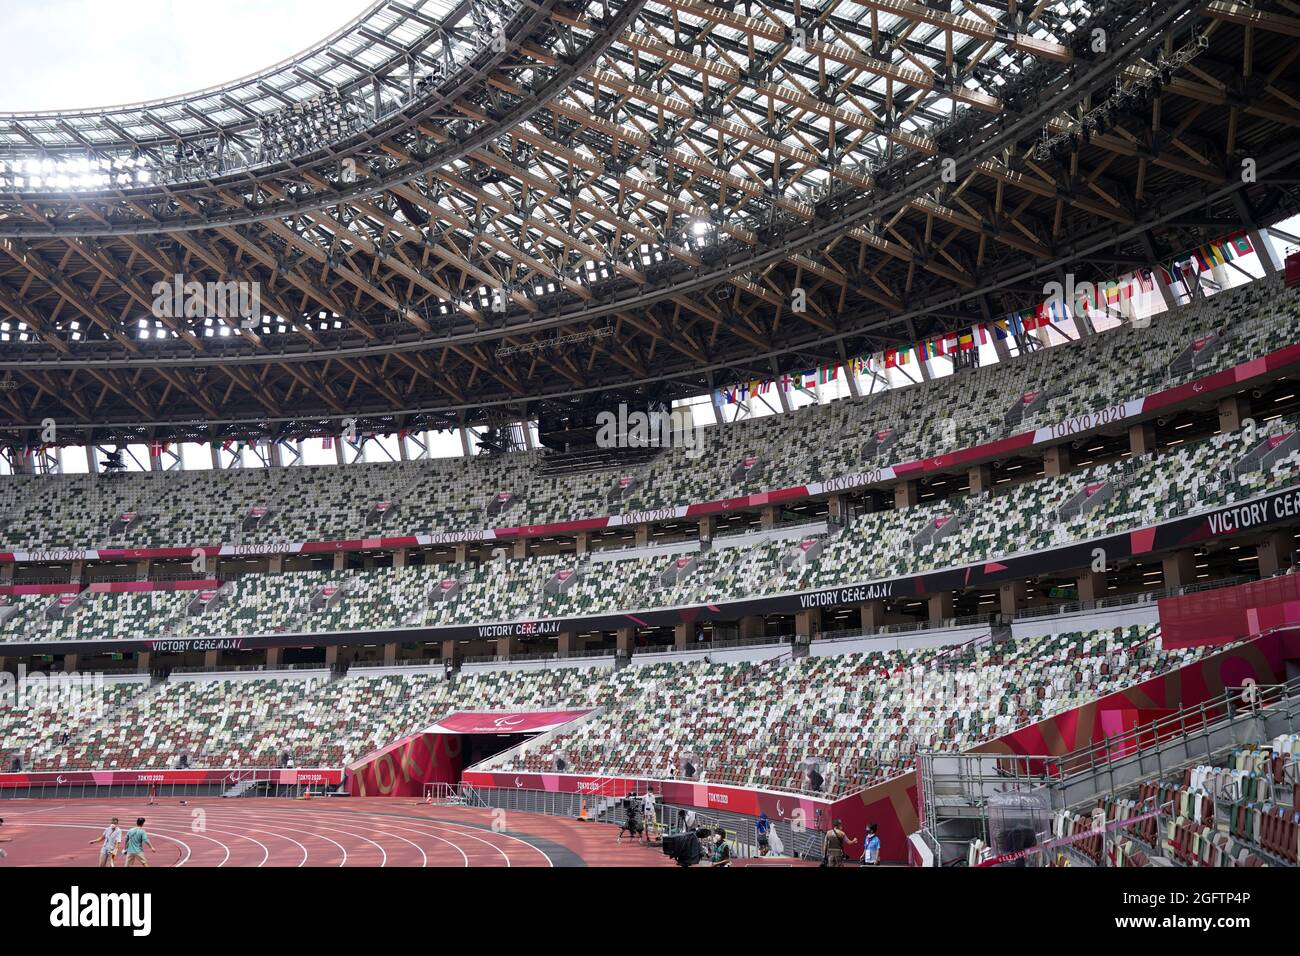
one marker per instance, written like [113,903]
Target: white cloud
[71,54]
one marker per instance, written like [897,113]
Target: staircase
[242,785]
[957,788]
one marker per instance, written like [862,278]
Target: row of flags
[1218,253]
[1089,299]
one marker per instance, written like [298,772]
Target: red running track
[212,832]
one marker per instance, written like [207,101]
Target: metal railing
[1128,600]
[807,843]
[1194,722]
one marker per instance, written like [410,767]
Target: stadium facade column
[1011,595]
[568,643]
[274,658]
[708,525]
[1142,439]
[340,560]
[1056,461]
[210,659]
[521,548]
[905,494]
[451,653]
[980,478]
[462,553]
[751,626]
[507,647]
[78,568]
[216,457]
[399,558]
[69,663]
[3,662]
[332,656]
[767,517]
[642,535]
[142,662]
[625,641]
[1179,568]
[582,542]
[276,563]
[808,623]
[872,614]
[1276,552]
[92,463]
[1092,585]
[390,652]
[142,569]
[681,636]
[1233,409]
[837,506]
[6,572]
[940,607]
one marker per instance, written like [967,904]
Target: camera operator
[687,848]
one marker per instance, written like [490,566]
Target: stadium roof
[500,207]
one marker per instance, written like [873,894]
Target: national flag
[891,358]
[810,378]
[786,383]
[965,342]
[1000,328]
[327,442]
[1241,244]
[828,374]
[156,449]
[227,444]
[904,354]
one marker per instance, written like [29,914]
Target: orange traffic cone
[583,815]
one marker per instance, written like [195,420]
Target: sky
[72,54]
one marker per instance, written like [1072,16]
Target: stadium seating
[32,725]
[1014,519]
[792,449]
[861,715]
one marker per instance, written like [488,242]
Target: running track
[212,832]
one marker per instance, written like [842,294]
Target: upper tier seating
[1015,519]
[793,449]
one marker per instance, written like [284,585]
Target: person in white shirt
[112,839]
[648,805]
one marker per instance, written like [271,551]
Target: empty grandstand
[653,432]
